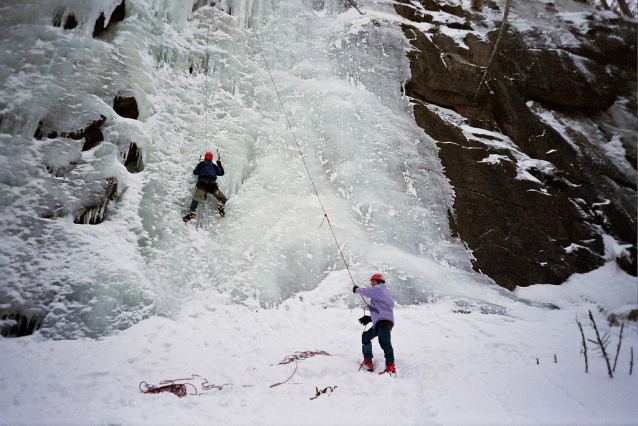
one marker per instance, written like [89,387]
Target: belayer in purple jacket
[207,172]
[382,318]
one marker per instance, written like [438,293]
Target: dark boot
[192,212]
[189,216]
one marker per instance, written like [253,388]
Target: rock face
[531,149]
[118,15]
[91,134]
[18,325]
[126,106]
[100,26]
[96,194]
[93,214]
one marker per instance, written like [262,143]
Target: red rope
[297,356]
[180,389]
[177,389]
[178,386]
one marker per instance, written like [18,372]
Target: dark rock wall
[96,198]
[532,197]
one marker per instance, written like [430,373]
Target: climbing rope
[298,356]
[206,80]
[325,215]
[180,387]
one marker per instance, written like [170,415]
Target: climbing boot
[367,364]
[189,216]
[220,207]
[389,368]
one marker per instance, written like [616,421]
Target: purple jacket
[381,304]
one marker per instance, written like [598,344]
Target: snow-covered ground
[143,298]
[456,366]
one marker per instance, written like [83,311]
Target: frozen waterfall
[201,84]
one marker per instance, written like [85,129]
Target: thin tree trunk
[500,32]
[605,5]
[498,40]
[355,6]
[602,346]
[624,8]
[584,346]
[618,348]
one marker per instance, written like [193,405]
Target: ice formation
[201,83]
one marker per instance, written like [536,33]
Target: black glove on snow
[366,319]
[354,289]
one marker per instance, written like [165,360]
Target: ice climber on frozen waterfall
[382,318]
[207,173]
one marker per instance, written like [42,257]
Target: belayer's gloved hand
[354,289]
[366,319]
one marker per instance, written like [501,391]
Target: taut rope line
[325,215]
[206,79]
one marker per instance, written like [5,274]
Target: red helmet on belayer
[378,277]
[208,156]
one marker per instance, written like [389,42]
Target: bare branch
[584,346]
[477,4]
[624,8]
[604,4]
[618,348]
[601,345]
[498,40]
[355,6]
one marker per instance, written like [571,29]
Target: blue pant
[382,330]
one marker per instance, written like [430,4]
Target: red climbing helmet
[208,156]
[378,277]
